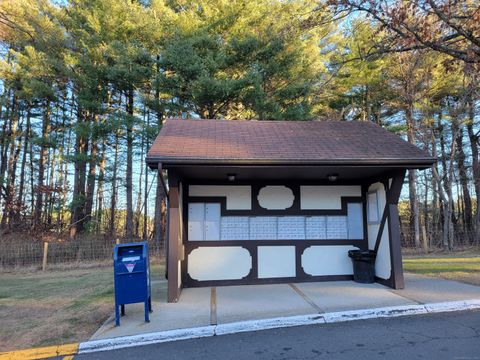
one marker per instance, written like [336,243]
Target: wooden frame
[178,248]
[252,245]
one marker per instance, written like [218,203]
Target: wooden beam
[396,280]
[173,256]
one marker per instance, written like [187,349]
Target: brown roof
[198,141]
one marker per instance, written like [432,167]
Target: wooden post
[393,194]
[45,255]
[173,256]
[117,241]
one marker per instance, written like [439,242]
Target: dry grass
[461,266]
[55,307]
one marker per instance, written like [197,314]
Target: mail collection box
[131,277]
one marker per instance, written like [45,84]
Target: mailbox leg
[150,304]
[117,315]
[123,309]
[147,319]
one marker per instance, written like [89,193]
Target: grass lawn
[55,307]
[462,266]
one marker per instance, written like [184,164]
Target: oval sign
[275,197]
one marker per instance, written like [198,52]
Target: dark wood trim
[390,218]
[364,207]
[294,210]
[384,217]
[161,180]
[247,244]
[384,282]
[283,181]
[174,241]
[174,162]
[285,280]
[252,245]
[396,278]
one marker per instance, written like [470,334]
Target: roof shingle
[276,142]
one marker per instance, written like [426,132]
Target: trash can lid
[362,254]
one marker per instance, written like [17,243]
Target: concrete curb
[273,323]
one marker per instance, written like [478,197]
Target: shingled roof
[228,142]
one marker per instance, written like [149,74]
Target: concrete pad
[249,302]
[430,290]
[349,295]
[192,310]
[239,308]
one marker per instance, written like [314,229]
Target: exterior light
[231,177]
[332,177]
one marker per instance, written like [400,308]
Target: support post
[173,256]
[45,256]
[393,194]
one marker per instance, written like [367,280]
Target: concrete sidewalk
[222,305]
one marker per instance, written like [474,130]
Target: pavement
[435,336]
[204,313]
[203,307]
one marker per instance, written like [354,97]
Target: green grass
[55,307]
[464,267]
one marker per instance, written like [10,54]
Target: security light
[332,177]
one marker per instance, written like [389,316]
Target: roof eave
[419,163]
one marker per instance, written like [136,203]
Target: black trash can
[363,265]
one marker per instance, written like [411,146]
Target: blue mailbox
[131,277]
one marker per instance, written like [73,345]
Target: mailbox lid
[134,250]
[132,257]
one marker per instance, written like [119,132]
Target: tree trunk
[21,188]
[101,178]
[412,181]
[4,143]
[145,199]
[13,153]
[128,175]
[113,199]
[475,167]
[92,169]
[467,202]
[81,146]
[41,163]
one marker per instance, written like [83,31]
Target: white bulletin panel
[234,228]
[326,197]
[372,208]
[275,197]
[355,221]
[291,227]
[212,221]
[219,263]
[327,260]
[337,227]
[316,227]
[263,228]
[239,197]
[276,261]
[196,221]
[206,223]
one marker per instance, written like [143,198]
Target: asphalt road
[453,336]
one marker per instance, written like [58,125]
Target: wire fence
[432,238]
[97,251]
[77,253]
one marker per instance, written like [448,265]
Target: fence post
[45,254]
